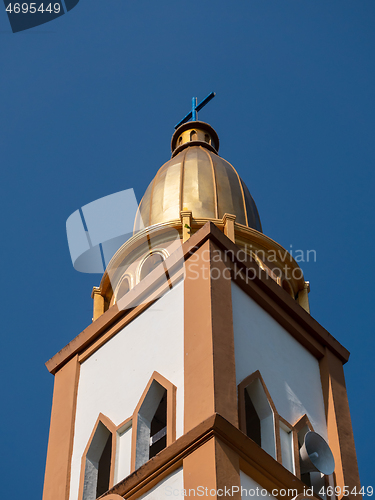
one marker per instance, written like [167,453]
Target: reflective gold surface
[198,180]
[194,187]
[194,133]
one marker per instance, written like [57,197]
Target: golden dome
[197,179]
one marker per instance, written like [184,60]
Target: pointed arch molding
[171,413]
[102,419]
[242,414]
[113,429]
[113,496]
[303,422]
[294,428]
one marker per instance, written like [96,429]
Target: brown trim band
[264,469]
[61,434]
[262,289]
[209,361]
[214,466]
[114,319]
[339,425]
[131,315]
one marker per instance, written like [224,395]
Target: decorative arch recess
[103,429]
[300,428]
[154,420]
[271,431]
[257,414]
[98,460]
[312,478]
[150,262]
[124,286]
[193,135]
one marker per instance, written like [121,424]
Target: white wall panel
[123,454]
[290,372]
[170,488]
[113,379]
[287,450]
[251,489]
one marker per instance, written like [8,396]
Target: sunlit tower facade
[203,372]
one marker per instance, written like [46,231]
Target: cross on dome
[193,115]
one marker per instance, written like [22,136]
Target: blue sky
[88,105]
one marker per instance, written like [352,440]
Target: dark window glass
[158,430]
[252,420]
[104,468]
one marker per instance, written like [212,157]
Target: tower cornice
[262,288]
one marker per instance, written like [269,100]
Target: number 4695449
[345,491]
[31,8]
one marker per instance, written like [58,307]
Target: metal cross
[195,108]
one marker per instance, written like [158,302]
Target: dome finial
[193,115]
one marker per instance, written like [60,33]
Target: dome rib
[182,174]
[242,193]
[214,182]
[198,180]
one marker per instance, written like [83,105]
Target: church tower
[203,372]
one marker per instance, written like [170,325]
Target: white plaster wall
[123,454]
[287,452]
[170,488]
[289,371]
[113,379]
[251,489]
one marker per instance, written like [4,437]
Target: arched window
[150,264]
[97,463]
[154,420]
[257,413]
[151,424]
[193,135]
[207,138]
[123,288]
